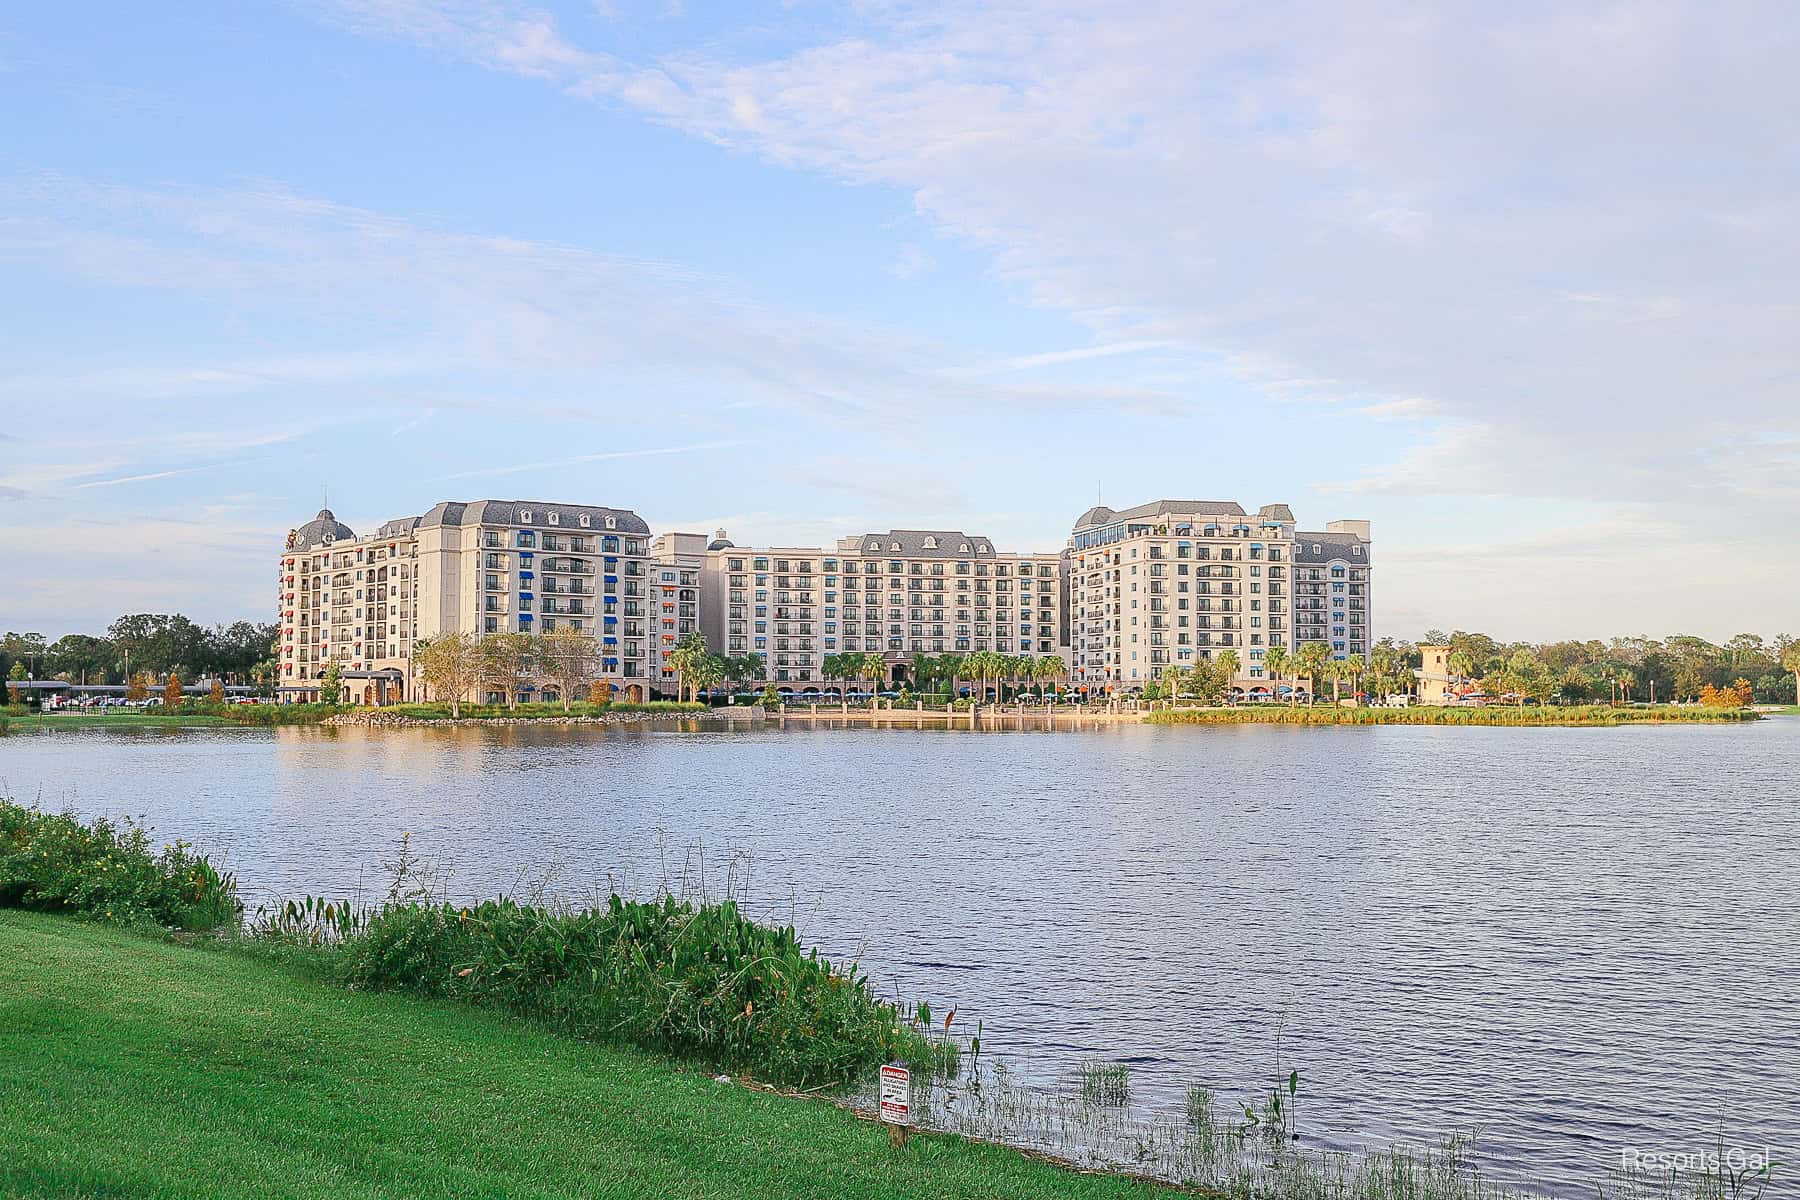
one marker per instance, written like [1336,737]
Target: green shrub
[106,870]
[276,714]
[701,982]
[1331,714]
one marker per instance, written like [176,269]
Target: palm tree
[1048,667]
[873,666]
[1354,668]
[709,672]
[978,664]
[686,658]
[1627,681]
[924,670]
[1275,661]
[1336,671]
[1790,660]
[1018,666]
[951,667]
[1312,658]
[1227,664]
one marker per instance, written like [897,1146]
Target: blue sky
[1517,288]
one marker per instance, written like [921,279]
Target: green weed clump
[106,870]
[667,976]
[1534,715]
[274,714]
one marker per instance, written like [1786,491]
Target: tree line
[160,644]
[1628,669]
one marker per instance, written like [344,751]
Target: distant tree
[709,672]
[331,687]
[506,663]
[1736,695]
[568,659]
[771,699]
[686,658]
[1627,681]
[1790,661]
[76,656]
[217,692]
[1574,685]
[138,690]
[1312,660]
[159,641]
[14,690]
[450,665]
[1048,668]
[873,668]
[172,691]
[1226,663]
[1275,662]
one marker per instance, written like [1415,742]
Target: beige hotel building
[898,593]
[1171,582]
[1133,593]
[488,566]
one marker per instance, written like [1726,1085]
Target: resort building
[487,566]
[350,601]
[1172,582]
[677,562]
[1132,594]
[899,593]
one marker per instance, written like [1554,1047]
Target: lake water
[1571,941]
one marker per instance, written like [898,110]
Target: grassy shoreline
[1595,715]
[142,1067]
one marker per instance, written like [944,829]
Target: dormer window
[1356,549]
[964,548]
[893,545]
[931,543]
[874,545]
[555,518]
[612,522]
[585,520]
[984,548]
[525,515]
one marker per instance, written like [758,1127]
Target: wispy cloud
[582,459]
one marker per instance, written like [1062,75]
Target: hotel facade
[1132,594]
[1173,582]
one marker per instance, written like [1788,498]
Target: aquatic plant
[697,981]
[1104,1083]
[1329,714]
[106,870]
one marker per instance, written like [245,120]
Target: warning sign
[896,1094]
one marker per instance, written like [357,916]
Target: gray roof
[399,527]
[508,512]
[321,529]
[1332,547]
[1275,512]
[912,543]
[1101,515]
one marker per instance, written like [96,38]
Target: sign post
[896,1101]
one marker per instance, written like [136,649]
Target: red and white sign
[896,1094]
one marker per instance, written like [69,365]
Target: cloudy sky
[1514,282]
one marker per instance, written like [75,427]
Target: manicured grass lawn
[132,1067]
